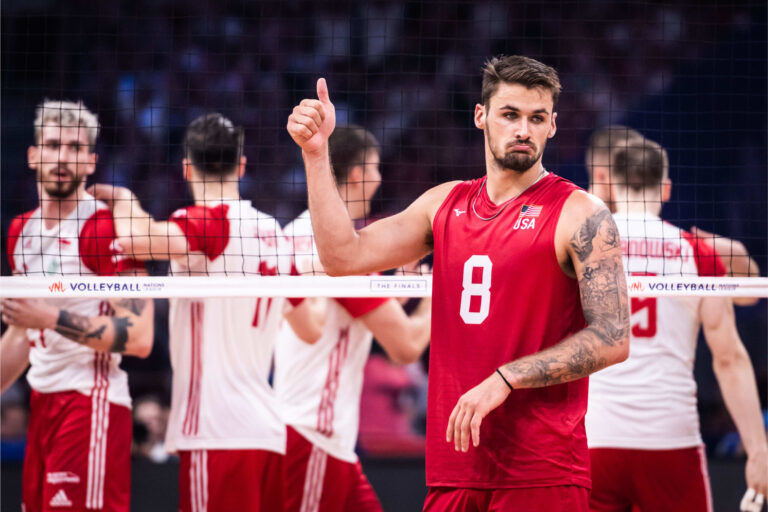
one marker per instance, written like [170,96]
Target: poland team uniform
[224,418]
[318,387]
[79,434]
[500,294]
[643,423]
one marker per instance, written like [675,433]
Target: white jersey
[649,400]
[319,385]
[78,245]
[221,348]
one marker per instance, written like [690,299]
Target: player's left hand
[29,313]
[752,501]
[472,407]
[757,482]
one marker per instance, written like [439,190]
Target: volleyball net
[688,76]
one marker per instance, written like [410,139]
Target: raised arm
[14,355]
[129,331]
[139,235]
[587,243]
[382,245]
[736,378]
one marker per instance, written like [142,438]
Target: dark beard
[517,162]
[61,190]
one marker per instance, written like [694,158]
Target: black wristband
[505,380]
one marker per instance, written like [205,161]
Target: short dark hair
[612,137]
[515,69]
[213,144]
[348,146]
[641,164]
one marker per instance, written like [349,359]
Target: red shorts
[78,454]
[562,498]
[213,480]
[316,482]
[657,480]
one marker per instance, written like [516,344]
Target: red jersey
[500,294]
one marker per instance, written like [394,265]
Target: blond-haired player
[79,436]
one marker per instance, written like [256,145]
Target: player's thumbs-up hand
[312,121]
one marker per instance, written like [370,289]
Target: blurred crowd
[682,73]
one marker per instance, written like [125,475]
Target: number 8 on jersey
[481,289]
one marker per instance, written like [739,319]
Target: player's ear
[186,169]
[33,157]
[93,159]
[355,175]
[552,126]
[241,167]
[666,190]
[480,116]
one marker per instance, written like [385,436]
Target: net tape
[325,286]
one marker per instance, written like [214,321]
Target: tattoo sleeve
[604,301]
[78,327]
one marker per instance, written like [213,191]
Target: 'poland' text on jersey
[500,294]
[649,400]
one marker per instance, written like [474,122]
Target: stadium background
[690,76]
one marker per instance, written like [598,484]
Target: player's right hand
[110,193]
[312,121]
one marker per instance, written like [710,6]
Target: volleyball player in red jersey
[529,297]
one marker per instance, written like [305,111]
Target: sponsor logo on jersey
[527,217]
[60,499]
[63,242]
[62,477]
[459,212]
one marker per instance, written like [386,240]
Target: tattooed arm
[129,331]
[587,245]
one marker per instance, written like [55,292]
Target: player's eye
[51,146]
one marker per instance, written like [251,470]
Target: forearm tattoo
[605,304]
[78,327]
[121,333]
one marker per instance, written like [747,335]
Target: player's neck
[645,202]
[505,184]
[54,209]
[209,191]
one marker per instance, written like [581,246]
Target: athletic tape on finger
[746,501]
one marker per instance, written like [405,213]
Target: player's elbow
[622,350]
[735,359]
[405,355]
[335,266]
[141,345]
